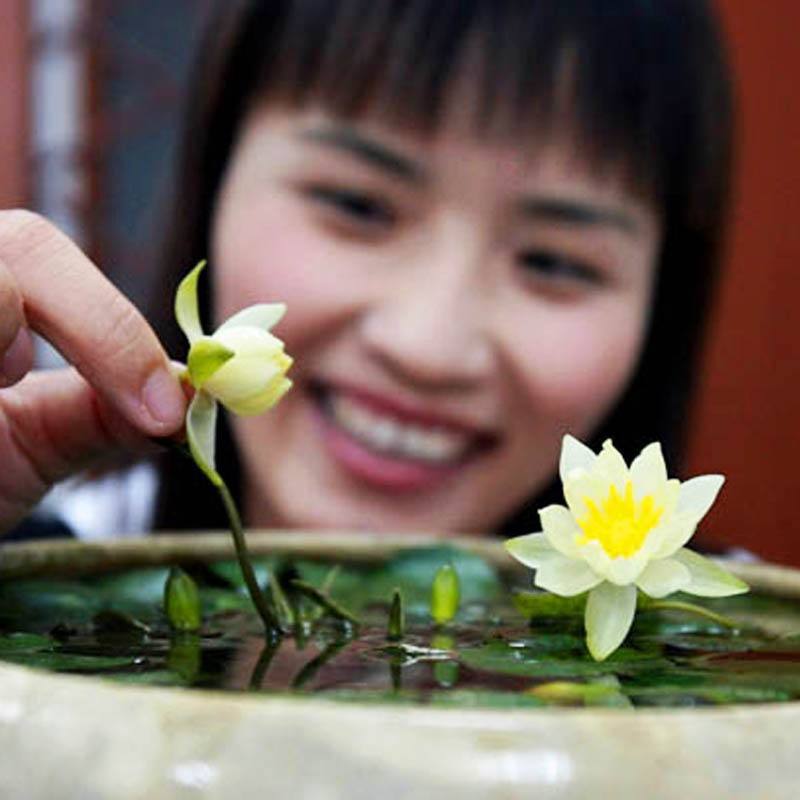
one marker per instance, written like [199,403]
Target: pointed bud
[397,624]
[445,594]
[182,601]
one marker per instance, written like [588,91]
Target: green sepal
[206,356]
[186,308]
[182,601]
[201,422]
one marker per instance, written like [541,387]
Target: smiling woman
[479,250]
[455,305]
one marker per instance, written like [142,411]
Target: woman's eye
[354,206]
[556,268]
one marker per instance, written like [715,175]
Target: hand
[118,391]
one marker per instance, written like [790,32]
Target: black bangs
[619,78]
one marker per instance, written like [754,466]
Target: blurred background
[89,95]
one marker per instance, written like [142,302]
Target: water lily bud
[182,601]
[254,378]
[445,594]
[397,618]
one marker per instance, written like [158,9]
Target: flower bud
[254,378]
[445,594]
[182,601]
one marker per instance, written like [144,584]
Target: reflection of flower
[241,365]
[622,528]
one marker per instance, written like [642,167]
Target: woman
[492,223]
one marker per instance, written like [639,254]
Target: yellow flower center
[620,524]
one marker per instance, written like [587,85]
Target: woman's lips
[390,445]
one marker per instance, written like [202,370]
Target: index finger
[93,325]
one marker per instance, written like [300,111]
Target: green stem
[690,608]
[269,619]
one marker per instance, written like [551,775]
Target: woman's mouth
[391,446]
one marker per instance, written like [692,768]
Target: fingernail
[18,359]
[164,398]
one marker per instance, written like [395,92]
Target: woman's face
[454,307]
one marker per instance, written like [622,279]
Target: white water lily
[241,365]
[622,530]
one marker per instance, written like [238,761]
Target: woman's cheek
[580,364]
[268,251]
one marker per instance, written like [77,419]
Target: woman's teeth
[391,436]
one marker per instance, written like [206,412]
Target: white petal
[673,534]
[663,577]
[698,494]
[582,487]
[201,422]
[262,315]
[255,374]
[186,311]
[574,455]
[532,550]
[596,557]
[622,571]
[565,576]
[649,472]
[561,530]
[609,616]
[707,578]
[612,467]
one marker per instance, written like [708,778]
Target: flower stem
[690,608]
[256,595]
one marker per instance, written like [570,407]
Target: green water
[490,655]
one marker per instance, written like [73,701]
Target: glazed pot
[85,738]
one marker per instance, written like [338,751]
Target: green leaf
[206,356]
[201,423]
[544,604]
[557,656]
[186,309]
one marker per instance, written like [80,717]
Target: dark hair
[637,84]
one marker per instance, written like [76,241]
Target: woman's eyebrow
[579,213]
[366,149]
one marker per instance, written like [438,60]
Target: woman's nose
[427,325]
